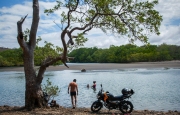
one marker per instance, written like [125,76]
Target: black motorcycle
[113,102]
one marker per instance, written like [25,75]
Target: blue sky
[9,3]
[12,10]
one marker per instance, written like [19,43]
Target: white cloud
[49,31]
[170,9]
[53,37]
[18,9]
[169,35]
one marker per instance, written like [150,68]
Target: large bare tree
[119,17]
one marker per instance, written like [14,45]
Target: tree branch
[34,25]
[69,12]
[20,39]
[70,39]
[47,62]
[64,59]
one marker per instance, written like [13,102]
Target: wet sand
[104,66]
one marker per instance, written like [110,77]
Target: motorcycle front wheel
[96,106]
[126,107]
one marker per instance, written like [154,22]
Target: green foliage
[83,54]
[79,41]
[50,89]
[114,54]
[41,53]
[14,57]
[4,62]
[132,18]
[11,57]
[49,50]
[126,53]
[56,7]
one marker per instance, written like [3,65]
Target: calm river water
[155,89]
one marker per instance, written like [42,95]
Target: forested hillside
[126,54]
[114,54]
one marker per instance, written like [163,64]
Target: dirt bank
[7,110]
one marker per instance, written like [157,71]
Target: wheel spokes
[126,107]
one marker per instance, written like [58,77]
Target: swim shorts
[72,93]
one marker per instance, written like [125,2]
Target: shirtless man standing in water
[73,92]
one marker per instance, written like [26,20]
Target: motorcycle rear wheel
[96,106]
[126,107]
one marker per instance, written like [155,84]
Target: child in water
[87,85]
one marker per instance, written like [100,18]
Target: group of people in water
[93,86]
[73,90]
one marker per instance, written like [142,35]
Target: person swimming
[94,85]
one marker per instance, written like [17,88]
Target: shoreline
[104,66]
[8,110]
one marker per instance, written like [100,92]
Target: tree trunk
[33,92]
[33,95]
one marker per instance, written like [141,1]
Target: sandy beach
[104,66]
[6,110]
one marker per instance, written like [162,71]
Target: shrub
[51,90]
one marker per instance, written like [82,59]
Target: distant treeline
[3,49]
[11,57]
[14,57]
[126,54]
[114,54]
